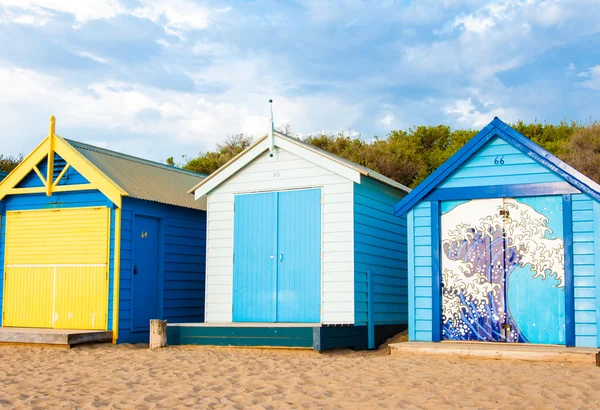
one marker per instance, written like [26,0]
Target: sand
[126,376]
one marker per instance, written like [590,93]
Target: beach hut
[303,250]
[503,245]
[92,239]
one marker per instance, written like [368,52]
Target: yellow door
[57,268]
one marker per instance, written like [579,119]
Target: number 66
[500,161]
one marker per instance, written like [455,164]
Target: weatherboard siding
[585,271]
[481,169]
[182,245]
[380,247]
[284,171]
[421,262]
[57,200]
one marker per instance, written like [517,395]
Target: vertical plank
[596,208]
[410,221]
[569,287]
[436,291]
[370,311]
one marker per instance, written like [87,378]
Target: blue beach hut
[503,246]
[96,240]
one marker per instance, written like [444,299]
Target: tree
[8,163]
[582,151]
[209,162]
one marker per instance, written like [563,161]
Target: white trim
[54,298]
[245,324]
[229,170]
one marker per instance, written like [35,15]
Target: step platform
[514,351]
[52,337]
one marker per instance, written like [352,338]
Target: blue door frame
[277,257]
[566,230]
[146,273]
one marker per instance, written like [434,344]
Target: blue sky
[156,78]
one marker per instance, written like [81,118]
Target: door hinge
[504,213]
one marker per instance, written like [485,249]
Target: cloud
[591,78]
[387,120]
[90,56]
[175,16]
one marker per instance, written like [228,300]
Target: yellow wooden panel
[81,300]
[58,236]
[28,297]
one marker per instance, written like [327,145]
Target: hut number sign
[499,160]
[276,174]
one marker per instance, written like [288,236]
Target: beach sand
[127,376]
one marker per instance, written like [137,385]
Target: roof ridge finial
[271,131]
[52,125]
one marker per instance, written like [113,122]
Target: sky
[160,78]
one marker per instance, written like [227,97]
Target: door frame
[267,191]
[109,270]
[161,268]
[436,265]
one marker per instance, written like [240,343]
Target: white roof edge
[336,164]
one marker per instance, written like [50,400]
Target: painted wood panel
[57,200]
[585,270]
[290,172]
[380,247]
[420,289]
[485,168]
[182,250]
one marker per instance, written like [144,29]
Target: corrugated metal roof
[143,179]
[359,168]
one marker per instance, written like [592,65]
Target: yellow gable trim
[55,144]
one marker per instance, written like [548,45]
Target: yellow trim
[39,174]
[116,275]
[62,174]
[55,144]
[50,170]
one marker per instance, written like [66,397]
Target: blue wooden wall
[57,200]
[182,261]
[518,168]
[379,246]
[420,262]
[481,169]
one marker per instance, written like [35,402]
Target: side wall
[57,200]
[585,270]
[379,247]
[282,172]
[182,264]
[420,273]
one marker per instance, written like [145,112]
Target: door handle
[135,270]
[281,257]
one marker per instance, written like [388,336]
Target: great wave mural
[499,258]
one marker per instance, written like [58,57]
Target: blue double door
[277,257]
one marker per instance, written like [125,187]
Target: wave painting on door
[503,270]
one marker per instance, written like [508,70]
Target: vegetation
[409,156]
[7,164]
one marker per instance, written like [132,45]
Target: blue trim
[569,287]
[436,285]
[502,191]
[497,128]
[370,311]
[596,208]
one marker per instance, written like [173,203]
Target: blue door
[299,246]
[503,270]
[254,258]
[145,285]
[277,262]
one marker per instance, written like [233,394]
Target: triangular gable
[286,143]
[498,131]
[22,180]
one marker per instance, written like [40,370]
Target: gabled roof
[114,174]
[499,129]
[143,179]
[318,156]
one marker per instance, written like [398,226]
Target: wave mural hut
[92,239]
[303,250]
[503,245]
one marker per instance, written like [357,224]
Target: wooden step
[58,337]
[513,351]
